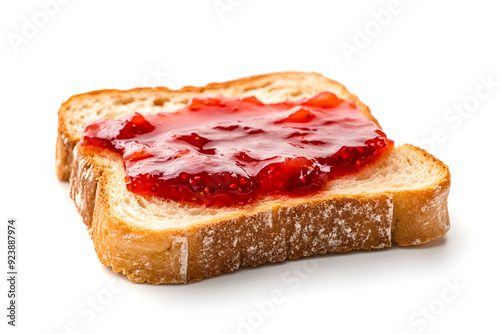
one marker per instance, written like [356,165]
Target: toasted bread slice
[401,197]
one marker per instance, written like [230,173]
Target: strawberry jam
[222,151]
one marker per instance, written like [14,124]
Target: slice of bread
[401,197]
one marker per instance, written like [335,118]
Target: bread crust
[271,232]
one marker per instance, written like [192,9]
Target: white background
[427,58]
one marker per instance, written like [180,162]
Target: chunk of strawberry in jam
[290,175]
[102,133]
[302,115]
[220,151]
[197,141]
[219,189]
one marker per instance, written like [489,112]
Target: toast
[401,197]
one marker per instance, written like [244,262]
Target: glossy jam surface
[221,151]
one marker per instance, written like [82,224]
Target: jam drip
[222,151]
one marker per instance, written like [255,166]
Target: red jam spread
[222,151]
